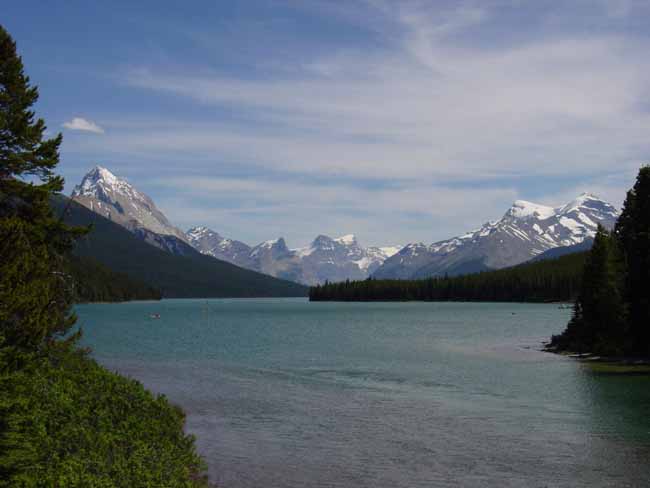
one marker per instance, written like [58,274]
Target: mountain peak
[100,179]
[274,242]
[200,232]
[584,197]
[198,229]
[347,239]
[526,230]
[272,248]
[321,240]
[103,173]
[116,199]
[99,173]
[586,200]
[522,209]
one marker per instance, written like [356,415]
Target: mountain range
[186,274]
[325,259]
[526,231]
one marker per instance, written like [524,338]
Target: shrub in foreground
[66,421]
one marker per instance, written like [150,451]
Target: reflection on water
[620,403]
[283,393]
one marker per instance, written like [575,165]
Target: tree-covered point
[64,420]
[632,238]
[598,309]
[611,315]
[543,281]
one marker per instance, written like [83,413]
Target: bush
[68,422]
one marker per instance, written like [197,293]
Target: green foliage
[189,276]
[597,323]
[34,303]
[23,152]
[30,295]
[94,282]
[633,235]
[67,422]
[64,420]
[549,280]
[612,313]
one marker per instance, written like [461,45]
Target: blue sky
[397,121]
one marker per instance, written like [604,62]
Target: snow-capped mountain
[339,259]
[325,259]
[274,258]
[211,243]
[116,199]
[525,231]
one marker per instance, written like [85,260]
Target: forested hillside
[94,282]
[543,281]
[190,275]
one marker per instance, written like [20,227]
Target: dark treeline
[543,281]
[611,315]
[65,421]
[94,282]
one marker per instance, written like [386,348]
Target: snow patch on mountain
[325,259]
[521,209]
[347,240]
[526,230]
[116,199]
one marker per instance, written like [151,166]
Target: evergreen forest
[95,282]
[550,280]
[611,315]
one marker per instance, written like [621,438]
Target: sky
[398,121]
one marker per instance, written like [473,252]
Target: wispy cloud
[434,120]
[330,208]
[84,125]
[429,106]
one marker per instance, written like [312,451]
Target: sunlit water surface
[286,393]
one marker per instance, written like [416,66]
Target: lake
[287,393]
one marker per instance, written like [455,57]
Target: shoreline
[623,365]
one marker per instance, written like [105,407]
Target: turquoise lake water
[287,393]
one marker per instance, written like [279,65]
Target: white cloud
[402,128]
[426,106]
[85,125]
[258,209]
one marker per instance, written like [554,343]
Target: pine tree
[633,235]
[597,323]
[62,416]
[34,303]
[600,297]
